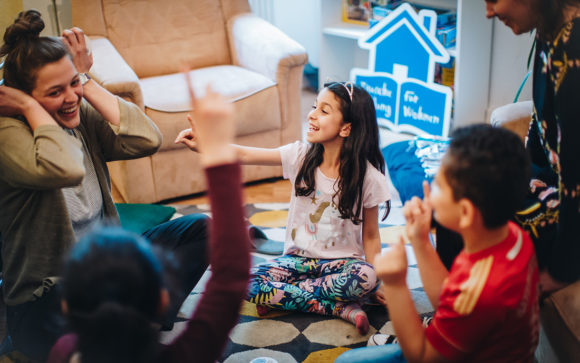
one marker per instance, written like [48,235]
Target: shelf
[353,31]
[452,51]
[345,30]
[439,4]
[340,53]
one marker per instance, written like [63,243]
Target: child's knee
[369,279]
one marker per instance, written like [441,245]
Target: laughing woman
[58,129]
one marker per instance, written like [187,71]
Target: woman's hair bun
[27,25]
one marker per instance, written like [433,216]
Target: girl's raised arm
[258,156]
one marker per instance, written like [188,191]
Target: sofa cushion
[255,97]
[146,33]
[169,93]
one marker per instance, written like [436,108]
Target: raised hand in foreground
[391,266]
[212,127]
[418,214]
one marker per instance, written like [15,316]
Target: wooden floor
[268,191]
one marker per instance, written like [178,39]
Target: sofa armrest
[514,116]
[112,72]
[261,47]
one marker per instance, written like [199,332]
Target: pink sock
[362,323]
[354,314]
[263,310]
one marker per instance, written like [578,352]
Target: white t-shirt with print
[314,227]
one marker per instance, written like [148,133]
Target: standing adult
[552,215]
[57,131]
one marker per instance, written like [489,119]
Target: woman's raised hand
[13,102]
[75,39]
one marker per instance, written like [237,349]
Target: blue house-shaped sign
[403,52]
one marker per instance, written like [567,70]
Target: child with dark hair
[486,306]
[332,226]
[113,287]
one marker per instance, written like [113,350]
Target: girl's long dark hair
[112,283]
[360,146]
[26,51]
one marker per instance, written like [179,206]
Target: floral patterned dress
[553,214]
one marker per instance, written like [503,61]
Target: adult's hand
[13,102]
[75,39]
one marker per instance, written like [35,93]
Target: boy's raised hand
[212,127]
[417,214]
[391,266]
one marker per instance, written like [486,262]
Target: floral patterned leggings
[322,286]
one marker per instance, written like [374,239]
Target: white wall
[46,9]
[299,19]
[509,57]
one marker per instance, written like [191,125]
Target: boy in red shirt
[486,306]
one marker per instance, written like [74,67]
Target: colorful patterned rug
[291,337]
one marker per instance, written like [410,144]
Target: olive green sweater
[35,228]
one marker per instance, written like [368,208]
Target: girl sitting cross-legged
[332,230]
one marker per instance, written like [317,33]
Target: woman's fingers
[76,42]
[73,38]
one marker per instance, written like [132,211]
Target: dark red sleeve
[63,349]
[217,313]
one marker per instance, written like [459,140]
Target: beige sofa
[560,311]
[139,48]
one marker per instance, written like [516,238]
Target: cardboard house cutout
[400,76]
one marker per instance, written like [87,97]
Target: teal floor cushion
[140,217]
